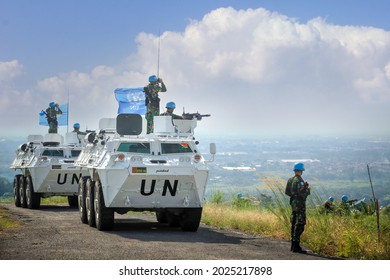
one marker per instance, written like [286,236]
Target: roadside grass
[6,222]
[352,236]
[54,200]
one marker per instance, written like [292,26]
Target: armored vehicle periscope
[129,170]
[47,167]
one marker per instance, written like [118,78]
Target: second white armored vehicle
[129,170]
[46,164]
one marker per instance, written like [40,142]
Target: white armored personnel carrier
[129,170]
[47,169]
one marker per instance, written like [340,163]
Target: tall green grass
[352,236]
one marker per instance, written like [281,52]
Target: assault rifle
[49,119]
[190,116]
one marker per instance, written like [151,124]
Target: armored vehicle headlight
[185,159]
[136,159]
[197,157]
[120,157]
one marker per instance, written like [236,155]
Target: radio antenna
[158,55]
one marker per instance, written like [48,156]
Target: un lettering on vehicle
[63,178]
[168,187]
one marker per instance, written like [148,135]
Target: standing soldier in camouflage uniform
[298,190]
[51,113]
[152,100]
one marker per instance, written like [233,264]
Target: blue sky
[255,66]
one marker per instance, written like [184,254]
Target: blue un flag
[131,100]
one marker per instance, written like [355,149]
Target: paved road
[56,232]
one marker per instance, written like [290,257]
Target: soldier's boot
[297,248]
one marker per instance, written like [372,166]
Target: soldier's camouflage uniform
[52,113]
[299,193]
[153,103]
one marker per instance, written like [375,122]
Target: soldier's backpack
[288,187]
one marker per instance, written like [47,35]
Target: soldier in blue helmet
[80,134]
[152,100]
[344,205]
[51,114]
[171,106]
[328,205]
[298,190]
[76,129]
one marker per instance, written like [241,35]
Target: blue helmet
[299,166]
[171,105]
[344,198]
[52,104]
[76,125]
[153,78]
[331,199]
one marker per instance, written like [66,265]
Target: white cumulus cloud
[10,69]
[254,71]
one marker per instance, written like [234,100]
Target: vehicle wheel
[73,201]
[16,190]
[82,192]
[89,202]
[33,199]
[104,216]
[190,219]
[173,220]
[22,191]
[162,217]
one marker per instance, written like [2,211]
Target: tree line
[5,186]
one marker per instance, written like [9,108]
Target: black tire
[73,201]
[190,219]
[33,199]
[82,192]
[22,191]
[162,217]
[104,216]
[89,202]
[16,190]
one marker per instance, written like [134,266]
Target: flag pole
[67,116]
[158,55]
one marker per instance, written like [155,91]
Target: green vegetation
[53,200]
[6,186]
[6,222]
[353,235]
